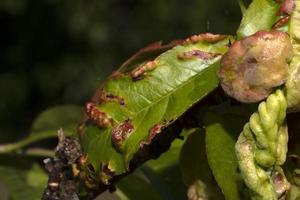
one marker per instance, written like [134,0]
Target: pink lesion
[109,97]
[204,37]
[120,133]
[155,130]
[141,71]
[198,54]
[286,8]
[100,118]
[281,185]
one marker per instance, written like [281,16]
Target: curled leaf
[154,92]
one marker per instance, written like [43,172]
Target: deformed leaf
[222,129]
[149,52]
[261,15]
[148,99]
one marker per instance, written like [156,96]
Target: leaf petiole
[242,6]
[32,138]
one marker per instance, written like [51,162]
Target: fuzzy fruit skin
[255,65]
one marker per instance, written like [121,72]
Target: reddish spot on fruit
[205,37]
[96,116]
[198,54]
[253,66]
[120,133]
[286,7]
[139,72]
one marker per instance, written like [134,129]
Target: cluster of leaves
[200,164]
[79,44]
[150,98]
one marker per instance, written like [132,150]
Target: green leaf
[222,130]
[52,119]
[163,95]
[242,6]
[24,179]
[164,172]
[261,15]
[134,187]
[170,157]
[194,165]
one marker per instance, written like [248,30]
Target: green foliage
[56,52]
[24,179]
[134,187]
[150,91]
[146,107]
[159,178]
[261,15]
[222,129]
[165,172]
[46,125]
[66,117]
[194,165]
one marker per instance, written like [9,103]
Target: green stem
[38,152]
[8,148]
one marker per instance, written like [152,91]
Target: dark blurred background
[55,52]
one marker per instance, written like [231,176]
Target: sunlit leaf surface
[151,101]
